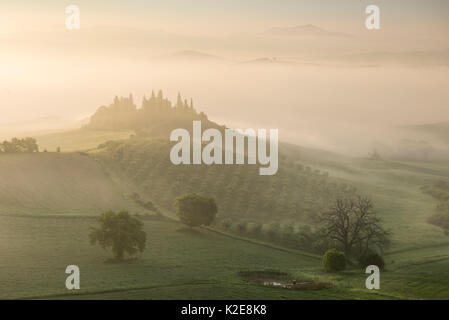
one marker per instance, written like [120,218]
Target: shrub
[241,227]
[334,261]
[288,236]
[226,224]
[371,258]
[273,231]
[256,229]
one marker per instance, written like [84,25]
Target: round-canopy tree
[195,210]
[121,232]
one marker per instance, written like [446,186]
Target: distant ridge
[308,30]
[442,124]
[191,56]
[266,60]
[424,58]
[438,130]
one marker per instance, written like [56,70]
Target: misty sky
[325,86]
[230,15]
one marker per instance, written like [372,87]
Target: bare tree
[353,224]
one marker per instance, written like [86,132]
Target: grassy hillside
[41,248]
[438,130]
[79,139]
[307,182]
[294,196]
[48,201]
[56,183]
[295,193]
[395,188]
[189,265]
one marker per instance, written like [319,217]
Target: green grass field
[394,188]
[56,183]
[180,264]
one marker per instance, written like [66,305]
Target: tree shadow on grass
[191,231]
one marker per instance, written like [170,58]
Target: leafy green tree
[121,232]
[334,261]
[195,210]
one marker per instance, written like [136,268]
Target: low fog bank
[38,127]
[346,108]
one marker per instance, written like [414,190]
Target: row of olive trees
[304,237]
[235,189]
[351,225]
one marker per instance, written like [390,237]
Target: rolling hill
[48,200]
[439,130]
[79,139]
[56,183]
[191,56]
[308,30]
